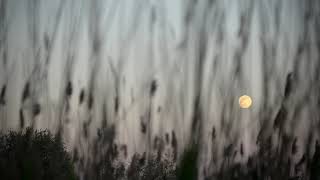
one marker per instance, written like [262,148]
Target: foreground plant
[34,155]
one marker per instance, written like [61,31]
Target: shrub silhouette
[33,155]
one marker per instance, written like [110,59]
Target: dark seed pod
[143,127]
[116,104]
[21,118]
[3,91]
[241,149]
[213,133]
[2,95]
[81,96]
[174,141]
[288,87]
[85,127]
[104,116]
[174,144]
[36,109]
[153,87]
[69,89]
[280,117]
[26,92]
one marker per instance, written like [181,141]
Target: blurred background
[171,70]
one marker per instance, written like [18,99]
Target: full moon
[245,101]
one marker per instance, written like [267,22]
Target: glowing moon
[245,101]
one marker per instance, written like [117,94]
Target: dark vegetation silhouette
[34,155]
[40,155]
